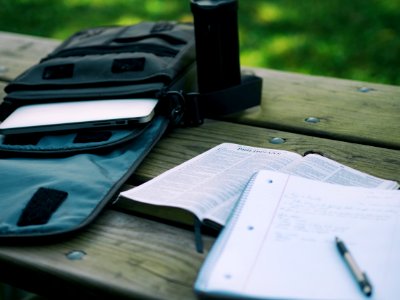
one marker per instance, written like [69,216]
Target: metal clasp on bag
[184,109]
[176,103]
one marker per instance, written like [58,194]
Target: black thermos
[217,44]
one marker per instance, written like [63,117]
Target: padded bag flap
[47,196]
[62,144]
[108,62]
[56,183]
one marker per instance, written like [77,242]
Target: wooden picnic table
[129,255]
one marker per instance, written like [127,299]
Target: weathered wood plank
[2,93]
[126,257]
[182,144]
[347,110]
[18,52]
[130,257]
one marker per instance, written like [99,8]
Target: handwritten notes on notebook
[280,241]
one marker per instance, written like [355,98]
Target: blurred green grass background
[352,39]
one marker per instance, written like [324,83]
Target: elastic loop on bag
[68,143]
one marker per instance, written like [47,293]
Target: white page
[212,181]
[317,167]
[210,184]
[281,245]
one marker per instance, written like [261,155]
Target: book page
[317,167]
[212,181]
[279,243]
[210,184]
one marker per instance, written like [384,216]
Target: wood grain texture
[125,258]
[18,52]
[131,257]
[182,144]
[353,111]
[2,93]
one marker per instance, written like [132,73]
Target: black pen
[360,276]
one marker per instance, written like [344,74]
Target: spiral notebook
[279,242]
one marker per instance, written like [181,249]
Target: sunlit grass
[270,48]
[79,3]
[285,44]
[159,7]
[269,12]
[127,20]
[355,39]
[252,58]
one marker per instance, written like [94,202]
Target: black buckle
[193,115]
[176,104]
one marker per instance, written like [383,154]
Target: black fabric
[42,205]
[78,171]
[22,139]
[92,137]
[147,60]
[58,71]
[128,65]
[162,26]
[138,61]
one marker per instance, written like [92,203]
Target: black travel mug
[217,44]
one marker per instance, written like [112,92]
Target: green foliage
[356,39]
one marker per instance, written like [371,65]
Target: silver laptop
[78,115]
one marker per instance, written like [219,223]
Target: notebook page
[281,244]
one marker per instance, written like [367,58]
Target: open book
[279,242]
[210,184]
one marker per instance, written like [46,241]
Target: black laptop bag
[56,183]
